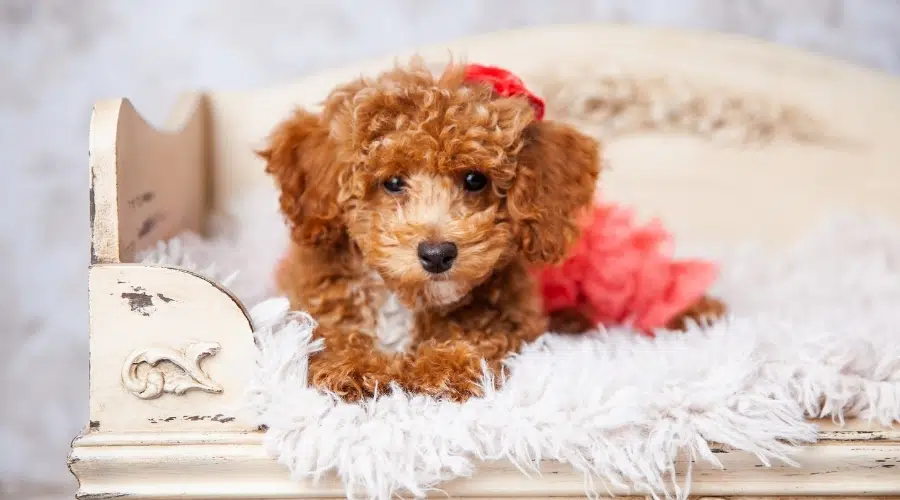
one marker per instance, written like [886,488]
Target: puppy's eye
[474,181]
[394,184]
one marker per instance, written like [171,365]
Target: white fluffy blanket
[815,332]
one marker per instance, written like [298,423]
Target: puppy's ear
[302,159]
[556,178]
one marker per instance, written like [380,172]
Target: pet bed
[196,372]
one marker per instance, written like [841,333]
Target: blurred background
[58,56]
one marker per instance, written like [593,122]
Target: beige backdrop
[58,56]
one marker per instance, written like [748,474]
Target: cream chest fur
[177,436]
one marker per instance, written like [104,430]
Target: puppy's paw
[352,376]
[570,321]
[706,310]
[448,370]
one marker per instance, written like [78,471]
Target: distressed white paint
[235,466]
[179,321]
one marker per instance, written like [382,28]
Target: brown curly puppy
[417,203]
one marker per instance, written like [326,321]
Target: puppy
[417,205]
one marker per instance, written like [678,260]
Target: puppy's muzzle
[437,258]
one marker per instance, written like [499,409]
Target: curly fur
[353,251]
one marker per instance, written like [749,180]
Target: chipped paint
[160,420]
[220,418]
[149,224]
[142,199]
[146,227]
[93,215]
[95,259]
[139,302]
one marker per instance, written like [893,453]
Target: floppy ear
[302,159]
[555,180]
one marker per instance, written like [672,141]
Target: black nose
[437,257]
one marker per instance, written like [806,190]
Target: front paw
[446,370]
[352,377]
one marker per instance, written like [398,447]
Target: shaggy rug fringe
[814,332]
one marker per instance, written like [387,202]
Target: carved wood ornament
[172,371]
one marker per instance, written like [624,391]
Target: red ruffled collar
[504,84]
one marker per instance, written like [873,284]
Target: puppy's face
[437,182]
[432,229]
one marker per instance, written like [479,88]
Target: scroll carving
[612,103]
[172,371]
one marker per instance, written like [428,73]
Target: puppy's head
[436,180]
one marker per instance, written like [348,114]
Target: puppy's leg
[705,310]
[335,289]
[450,369]
[453,368]
[571,320]
[352,367]
[446,358]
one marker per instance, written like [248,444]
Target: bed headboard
[822,135]
[837,125]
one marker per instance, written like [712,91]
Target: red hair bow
[504,84]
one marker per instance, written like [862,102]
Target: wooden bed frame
[162,395]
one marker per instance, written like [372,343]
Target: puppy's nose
[437,257]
